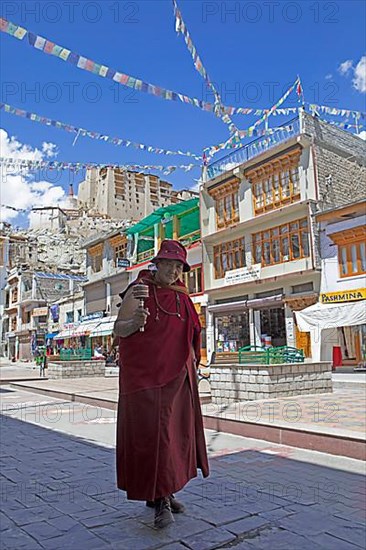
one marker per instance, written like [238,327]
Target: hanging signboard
[343,296]
[123,262]
[40,311]
[243,275]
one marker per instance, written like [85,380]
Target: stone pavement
[58,490]
[333,423]
[17,371]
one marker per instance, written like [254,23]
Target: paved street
[58,489]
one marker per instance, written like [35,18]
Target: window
[96,263]
[120,251]
[193,280]
[14,295]
[27,285]
[351,251]
[273,325]
[232,331]
[304,287]
[69,316]
[228,256]
[26,316]
[275,183]
[95,254]
[282,244]
[226,203]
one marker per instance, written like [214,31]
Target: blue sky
[254,48]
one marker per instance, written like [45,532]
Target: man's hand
[140,317]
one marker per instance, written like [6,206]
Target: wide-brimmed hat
[172,250]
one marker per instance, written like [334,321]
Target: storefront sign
[91,316]
[40,311]
[24,338]
[123,262]
[243,275]
[70,326]
[343,296]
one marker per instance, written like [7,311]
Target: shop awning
[232,306]
[268,301]
[67,333]
[85,328]
[241,305]
[50,335]
[157,215]
[322,316]
[105,327]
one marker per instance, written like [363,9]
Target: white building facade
[337,323]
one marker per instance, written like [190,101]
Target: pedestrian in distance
[160,437]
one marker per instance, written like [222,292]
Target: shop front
[10,342]
[263,321]
[267,312]
[337,327]
[24,343]
[102,334]
[231,331]
[66,336]
[228,327]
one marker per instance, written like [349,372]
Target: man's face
[169,271]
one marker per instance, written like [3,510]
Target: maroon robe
[160,438]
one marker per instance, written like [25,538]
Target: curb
[334,444]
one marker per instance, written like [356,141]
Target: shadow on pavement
[58,492]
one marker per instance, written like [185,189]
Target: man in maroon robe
[160,437]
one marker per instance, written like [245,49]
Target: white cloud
[328,76]
[19,188]
[359,80]
[345,67]
[358,73]
[49,149]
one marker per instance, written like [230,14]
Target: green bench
[258,355]
[76,355]
[253,354]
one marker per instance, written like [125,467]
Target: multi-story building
[122,194]
[260,241]
[28,297]
[337,322]
[14,251]
[115,259]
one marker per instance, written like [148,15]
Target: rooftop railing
[254,148]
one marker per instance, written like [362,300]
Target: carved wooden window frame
[351,251]
[276,182]
[96,257]
[229,255]
[226,198]
[277,244]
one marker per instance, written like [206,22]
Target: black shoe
[163,513]
[176,506]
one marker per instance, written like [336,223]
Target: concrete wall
[75,369]
[231,383]
[340,158]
